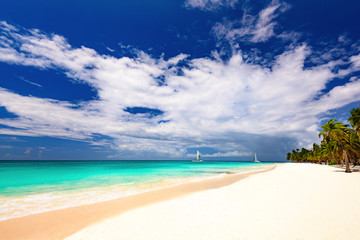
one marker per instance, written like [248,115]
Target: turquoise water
[27,187]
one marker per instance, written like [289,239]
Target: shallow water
[28,187]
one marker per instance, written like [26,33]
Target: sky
[158,79]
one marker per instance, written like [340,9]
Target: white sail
[198,157]
[256,159]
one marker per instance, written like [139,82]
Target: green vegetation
[340,144]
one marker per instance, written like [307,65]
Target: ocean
[28,187]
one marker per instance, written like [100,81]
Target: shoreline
[18,206]
[293,201]
[59,224]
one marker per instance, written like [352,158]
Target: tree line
[340,144]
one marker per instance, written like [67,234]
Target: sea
[29,187]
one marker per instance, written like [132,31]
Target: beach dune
[293,201]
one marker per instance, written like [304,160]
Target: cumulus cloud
[250,28]
[199,102]
[210,5]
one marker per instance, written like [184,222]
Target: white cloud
[251,28]
[228,154]
[355,60]
[210,5]
[30,82]
[7,27]
[110,49]
[289,36]
[28,151]
[40,154]
[343,38]
[213,103]
[5,146]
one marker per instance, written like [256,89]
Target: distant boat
[198,157]
[256,159]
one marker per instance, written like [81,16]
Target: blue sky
[158,79]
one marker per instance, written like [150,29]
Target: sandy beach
[293,201]
[290,201]
[59,224]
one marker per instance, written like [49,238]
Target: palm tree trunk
[347,165]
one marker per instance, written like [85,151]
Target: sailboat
[197,157]
[256,159]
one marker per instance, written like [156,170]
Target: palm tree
[326,152]
[354,146]
[354,120]
[340,143]
[288,156]
[336,131]
[316,153]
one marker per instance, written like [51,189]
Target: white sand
[293,201]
